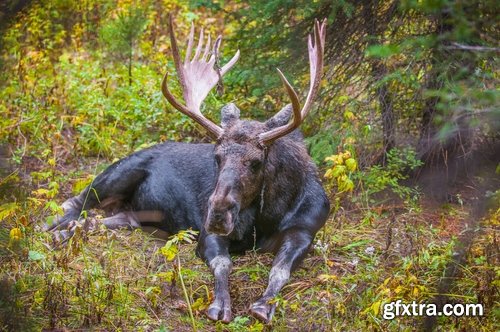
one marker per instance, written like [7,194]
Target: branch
[457,46]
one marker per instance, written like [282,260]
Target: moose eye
[255,165]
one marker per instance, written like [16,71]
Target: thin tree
[121,34]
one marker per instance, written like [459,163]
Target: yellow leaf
[16,234]
[80,184]
[399,289]
[346,155]
[338,170]
[77,120]
[376,307]
[170,250]
[340,308]
[348,115]
[8,209]
[200,304]
[351,164]
[327,277]
[344,183]
[349,185]
[166,276]
[40,192]
[350,140]
[336,159]
[330,158]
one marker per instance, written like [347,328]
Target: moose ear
[281,118]
[229,113]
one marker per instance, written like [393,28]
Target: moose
[256,187]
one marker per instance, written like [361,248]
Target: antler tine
[200,45]
[215,49]
[207,49]
[316,64]
[231,63]
[190,39]
[315,50]
[297,116]
[175,50]
[197,77]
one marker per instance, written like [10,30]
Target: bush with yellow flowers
[340,173]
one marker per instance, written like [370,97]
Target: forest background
[405,133]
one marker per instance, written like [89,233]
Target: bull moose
[256,187]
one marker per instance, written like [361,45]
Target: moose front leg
[294,246]
[214,251]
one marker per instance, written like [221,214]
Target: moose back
[255,187]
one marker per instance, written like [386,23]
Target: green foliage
[69,106]
[399,164]
[322,145]
[170,251]
[241,323]
[382,51]
[121,34]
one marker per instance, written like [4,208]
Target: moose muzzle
[223,204]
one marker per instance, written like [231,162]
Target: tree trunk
[387,111]
[130,66]
[428,149]
[130,71]
[444,145]
[379,70]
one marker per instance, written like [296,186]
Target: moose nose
[218,228]
[220,222]
[223,198]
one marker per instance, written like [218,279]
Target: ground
[364,257]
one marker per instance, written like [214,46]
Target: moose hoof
[263,311]
[216,312]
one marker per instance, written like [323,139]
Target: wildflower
[370,250]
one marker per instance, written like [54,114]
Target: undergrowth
[131,280]
[71,103]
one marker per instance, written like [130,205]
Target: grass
[119,280]
[68,110]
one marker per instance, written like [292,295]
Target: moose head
[241,145]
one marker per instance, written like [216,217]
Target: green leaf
[382,51]
[355,244]
[351,164]
[35,255]
[338,170]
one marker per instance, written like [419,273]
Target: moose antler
[316,50]
[197,77]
